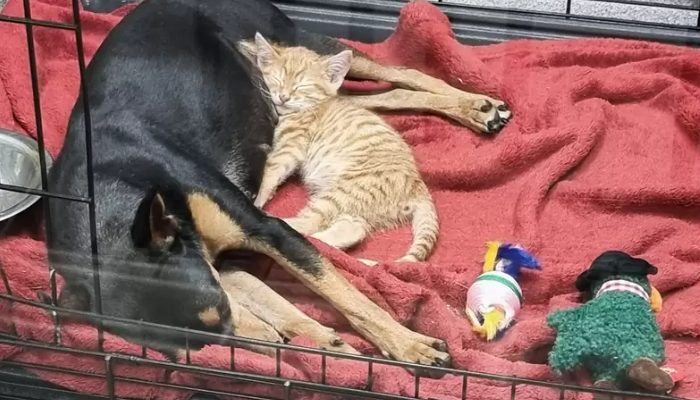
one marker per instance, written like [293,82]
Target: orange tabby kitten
[360,173]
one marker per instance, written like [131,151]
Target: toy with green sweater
[614,335]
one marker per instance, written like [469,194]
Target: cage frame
[369,21]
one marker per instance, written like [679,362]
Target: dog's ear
[162,224]
[155,226]
[337,67]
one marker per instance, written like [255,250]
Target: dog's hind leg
[264,303]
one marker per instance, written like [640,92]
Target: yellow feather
[473,320]
[656,300]
[490,257]
[492,319]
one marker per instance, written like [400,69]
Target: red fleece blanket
[603,153]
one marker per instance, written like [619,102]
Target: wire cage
[356,19]
[483,22]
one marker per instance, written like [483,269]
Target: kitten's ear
[265,52]
[338,66]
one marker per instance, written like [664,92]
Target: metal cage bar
[232,341]
[373,20]
[89,166]
[111,379]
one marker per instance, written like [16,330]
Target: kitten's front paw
[259,203]
[261,198]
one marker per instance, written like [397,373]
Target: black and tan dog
[180,132]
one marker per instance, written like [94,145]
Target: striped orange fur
[360,174]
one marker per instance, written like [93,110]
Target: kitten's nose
[284,98]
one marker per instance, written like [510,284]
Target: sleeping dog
[180,133]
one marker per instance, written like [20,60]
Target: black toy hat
[613,263]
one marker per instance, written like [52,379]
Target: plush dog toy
[614,334]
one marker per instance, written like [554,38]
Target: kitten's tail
[425,230]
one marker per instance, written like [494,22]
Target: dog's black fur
[175,109]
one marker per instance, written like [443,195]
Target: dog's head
[160,273]
[614,265]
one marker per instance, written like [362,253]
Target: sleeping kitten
[360,173]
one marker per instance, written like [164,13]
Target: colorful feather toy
[495,297]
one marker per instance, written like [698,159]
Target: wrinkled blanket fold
[603,153]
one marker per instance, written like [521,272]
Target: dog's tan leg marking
[319,275]
[218,231]
[475,111]
[263,302]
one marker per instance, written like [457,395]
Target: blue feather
[511,258]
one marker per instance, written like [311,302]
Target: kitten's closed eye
[304,86]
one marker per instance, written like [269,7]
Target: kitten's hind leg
[305,224]
[315,216]
[345,232]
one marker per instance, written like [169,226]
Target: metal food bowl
[19,166]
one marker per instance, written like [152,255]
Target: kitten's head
[299,78]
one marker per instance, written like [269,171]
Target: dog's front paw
[327,339]
[420,349]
